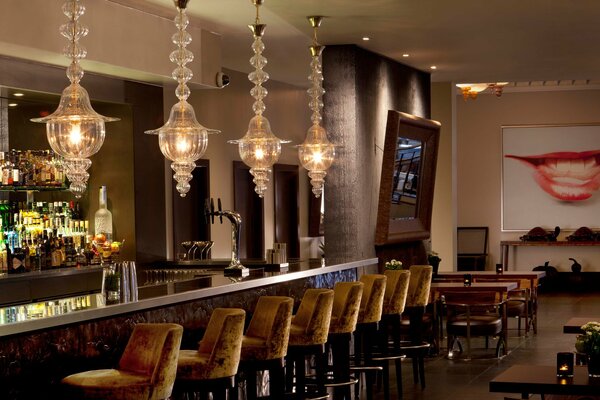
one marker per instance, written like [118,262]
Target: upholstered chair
[265,344]
[213,366]
[346,306]
[146,369]
[308,335]
[394,301]
[371,308]
[419,288]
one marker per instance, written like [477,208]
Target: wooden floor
[468,380]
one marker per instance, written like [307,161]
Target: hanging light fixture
[182,139]
[316,154]
[259,148]
[75,131]
[471,90]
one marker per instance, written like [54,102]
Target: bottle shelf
[4,188]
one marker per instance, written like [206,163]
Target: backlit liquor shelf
[82,298]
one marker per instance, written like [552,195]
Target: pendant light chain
[73,31]
[316,92]
[258,76]
[182,56]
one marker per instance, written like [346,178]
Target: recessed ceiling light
[433,67]
[366,38]
[12,104]
[18,94]
[405,55]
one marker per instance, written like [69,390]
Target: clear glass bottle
[103,218]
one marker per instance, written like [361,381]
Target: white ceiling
[468,40]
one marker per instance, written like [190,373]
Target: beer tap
[235,266]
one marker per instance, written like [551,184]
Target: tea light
[564,365]
[499,269]
[467,279]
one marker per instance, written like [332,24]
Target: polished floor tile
[468,380]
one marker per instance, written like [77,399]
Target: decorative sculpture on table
[539,234]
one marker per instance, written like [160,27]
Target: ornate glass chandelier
[182,139]
[316,154]
[75,131]
[259,148]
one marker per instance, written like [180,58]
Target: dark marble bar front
[36,354]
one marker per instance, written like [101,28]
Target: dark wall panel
[361,87]
[251,209]
[287,212]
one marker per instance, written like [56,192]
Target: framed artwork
[550,177]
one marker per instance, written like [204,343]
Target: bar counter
[43,351]
[217,285]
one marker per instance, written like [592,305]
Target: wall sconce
[467,279]
[182,139]
[499,269]
[471,90]
[564,365]
[75,131]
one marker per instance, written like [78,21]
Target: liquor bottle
[103,218]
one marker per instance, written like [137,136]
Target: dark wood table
[574,324]
[541,379]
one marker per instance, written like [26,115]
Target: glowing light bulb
[260,154]
[182,145]
[318,157]
[75,133]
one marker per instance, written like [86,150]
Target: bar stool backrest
[371,303]
[314,315]
[346,305]
[271,321]
[396,290]
[419,285]
[222,340]
[152,350]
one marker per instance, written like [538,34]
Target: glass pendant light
[182,139]
[75,131]
[316,154]
[259,148]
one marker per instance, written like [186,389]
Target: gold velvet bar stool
[308,335]
[346,306]
[394,301]
[213,366]
[369,315]
[265,344]
[418,297]
[146,368]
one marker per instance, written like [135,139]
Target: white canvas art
[550,177]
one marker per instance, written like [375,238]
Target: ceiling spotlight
[433,67]
[12,104]
[405,55]
[366,38]
[18,94]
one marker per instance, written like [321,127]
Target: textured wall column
[361,87]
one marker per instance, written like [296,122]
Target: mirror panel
[407,179]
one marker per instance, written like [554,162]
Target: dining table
[502,288]
[573,325]
[542,379]
[532,277]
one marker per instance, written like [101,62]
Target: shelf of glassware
[50,308]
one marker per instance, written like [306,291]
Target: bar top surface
[219,285]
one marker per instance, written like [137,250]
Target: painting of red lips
[550,176]
[566,175]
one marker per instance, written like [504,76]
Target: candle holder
[499,269]
[564,365]
[467,279]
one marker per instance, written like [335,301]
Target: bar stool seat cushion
[218,353]
[146,369]
[110,384]
[396,291]
[371,303]
[268,334]
[310,325]
[346,305]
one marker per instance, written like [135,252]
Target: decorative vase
[593,365]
